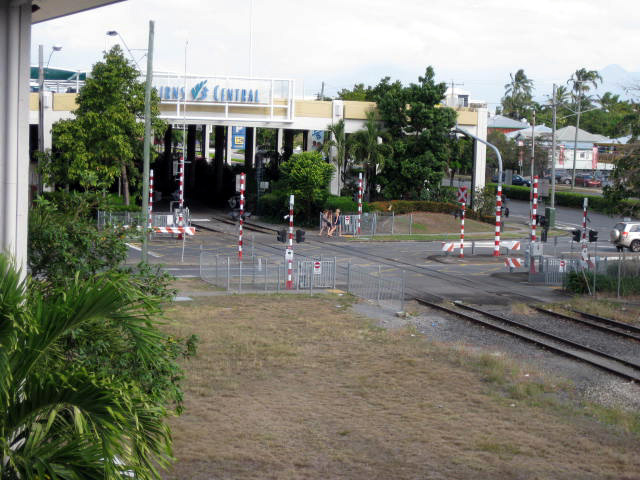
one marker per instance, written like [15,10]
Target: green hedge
[574,199]
[345,204]
[401,207]
[577,282]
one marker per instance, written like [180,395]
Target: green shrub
[577,283]
[274,204]
[345,204]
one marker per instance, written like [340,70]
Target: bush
[345,204]
[577,283]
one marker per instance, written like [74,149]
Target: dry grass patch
[609,308]
[296,387]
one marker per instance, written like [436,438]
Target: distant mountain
[616,79]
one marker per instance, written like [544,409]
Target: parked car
[587,180]
[515,180]
[626,234]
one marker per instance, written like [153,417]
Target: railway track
[561,345]
[599,323]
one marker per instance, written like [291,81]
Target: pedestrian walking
[335,224]
[325,222]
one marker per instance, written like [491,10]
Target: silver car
[626,234]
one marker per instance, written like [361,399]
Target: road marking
[134,247]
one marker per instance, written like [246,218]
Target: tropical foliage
[103,142]
[419,128]
[59,418]
[517,96]
[307,176]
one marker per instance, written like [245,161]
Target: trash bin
[550,213]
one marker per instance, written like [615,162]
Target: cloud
[342,40]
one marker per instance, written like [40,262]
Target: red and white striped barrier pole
[289,252]
[242,181]
[359,200]
[463,206]
[150,221]
[534,208]
[496,247]
[584,220]
[181,196]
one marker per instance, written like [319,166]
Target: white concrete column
[207,139]
[229,144]
[15,41]
[480,152]
[280,140]
[307,140]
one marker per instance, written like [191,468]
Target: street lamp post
[41,71]
[147,141]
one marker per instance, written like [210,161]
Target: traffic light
[593,235]
[300,236]
[282,235]
[576,235]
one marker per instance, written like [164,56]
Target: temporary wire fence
[262,274]
[120,219]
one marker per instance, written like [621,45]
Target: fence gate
[317,274]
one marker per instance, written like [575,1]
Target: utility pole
[40,109]
[575,141]
[147,142]
[553,147]
[453,98]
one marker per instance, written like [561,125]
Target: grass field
[299,387]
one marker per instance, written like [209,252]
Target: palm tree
[339,142]
[517,95]
[364,145]
[581,81]
[58,420]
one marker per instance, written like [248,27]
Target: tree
[58,419]
[365,146]
[581,82]
[104,139]
[359,93]
[337,143]
[307,176]
[517,96]
[419,127]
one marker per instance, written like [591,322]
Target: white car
[626,234]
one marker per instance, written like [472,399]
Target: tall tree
[337,144]
[370,151]
[419,127]
[517,96]
[104,139]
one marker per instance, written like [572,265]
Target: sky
[476,43]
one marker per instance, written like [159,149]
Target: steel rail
[592,324]
[624,368]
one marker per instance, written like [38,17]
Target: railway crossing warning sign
[462,194]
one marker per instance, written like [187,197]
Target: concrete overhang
[50,9]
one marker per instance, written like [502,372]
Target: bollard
[404,280]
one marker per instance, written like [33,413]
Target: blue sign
[238,135]
[203,92]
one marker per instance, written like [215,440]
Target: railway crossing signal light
[282,235]
[576,235]
[593,235]
[300,236]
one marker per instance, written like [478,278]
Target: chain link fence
[261,274]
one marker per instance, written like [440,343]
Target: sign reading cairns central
[203,91]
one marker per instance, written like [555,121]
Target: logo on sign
[462,194]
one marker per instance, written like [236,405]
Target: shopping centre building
[205,105]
